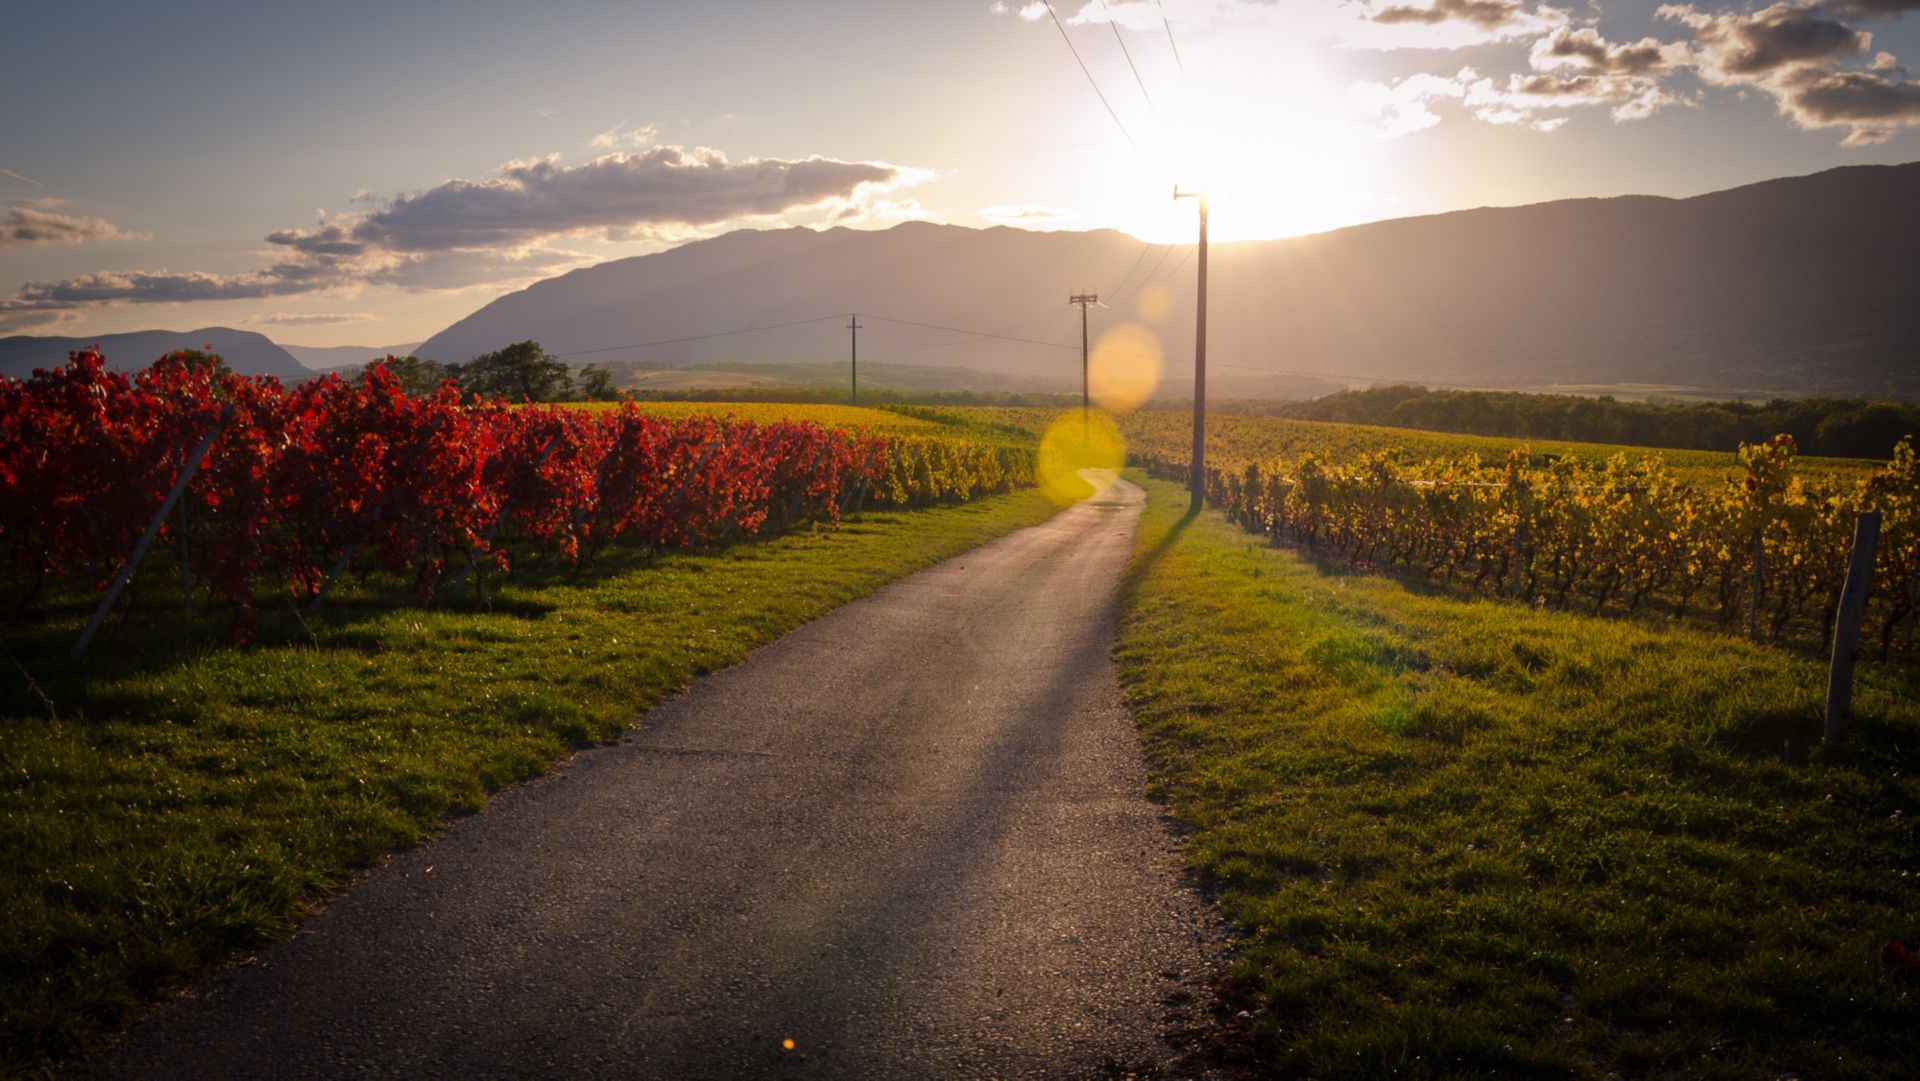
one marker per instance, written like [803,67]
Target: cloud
[1444,24]
[1585,50]
[26,223]
[1026,216]
[307,319]
[1630,97]
[24,179]
[1871,106]
[1735,46]
[612,195]
[1804,53]
[1485,14]
[1799,53]
[1404,107]
[496,231]
[620,135]
[150,287]
[879,210]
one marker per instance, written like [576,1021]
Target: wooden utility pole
[1199,474]
[1083,299]
[853,359]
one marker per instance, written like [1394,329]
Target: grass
[193,798]
[1468,838]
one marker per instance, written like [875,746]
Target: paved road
[909,836]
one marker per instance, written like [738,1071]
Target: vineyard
[292,488]
[1765,550]
[1755,541]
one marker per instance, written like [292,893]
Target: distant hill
[244,351]
[1795,286]
[326,358]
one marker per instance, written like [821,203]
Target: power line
[964,330]
[1157,264]
[1170,42]
[1051,313]
[1145,247]
[699,337]
[1175,269]
[971,334]
[1062,27]
[1148,283]
[1123,52]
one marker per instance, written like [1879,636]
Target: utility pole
[1083,299]
[1199,475]
[853,359]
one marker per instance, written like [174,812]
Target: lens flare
[1076,441]
[1124,368]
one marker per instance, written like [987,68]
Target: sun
[1281,159]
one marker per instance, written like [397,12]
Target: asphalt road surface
[909,837]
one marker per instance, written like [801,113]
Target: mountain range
[243,350]
[1793,287]
[1804,285]
[327,358]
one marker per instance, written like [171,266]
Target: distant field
[994,427]
[1234,440]
[832,416]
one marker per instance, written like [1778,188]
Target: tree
[418,377]
[198,359]
[596,384]
[521,372]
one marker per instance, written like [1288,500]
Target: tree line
[1847,428]
[521,372]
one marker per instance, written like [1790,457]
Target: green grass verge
[194,798]
[1464,837]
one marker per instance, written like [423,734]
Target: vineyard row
[296,486]
[1766,551]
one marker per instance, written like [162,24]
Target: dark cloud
[1872,105]
[150,287]
[1586,50]
[1485,14]
[1630,97]
[1736,46]
[328,240]
[663,186]
[463,232]
[30,225]
[1800,54]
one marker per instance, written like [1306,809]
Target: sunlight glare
[1124,368]
[1076,441]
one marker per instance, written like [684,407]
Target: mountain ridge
[244,351]
[1791,284]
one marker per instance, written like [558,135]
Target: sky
[367,174]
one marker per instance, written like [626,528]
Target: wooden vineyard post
[186,576]
[1846,632]
[146,538]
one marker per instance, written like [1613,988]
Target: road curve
[910,837]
